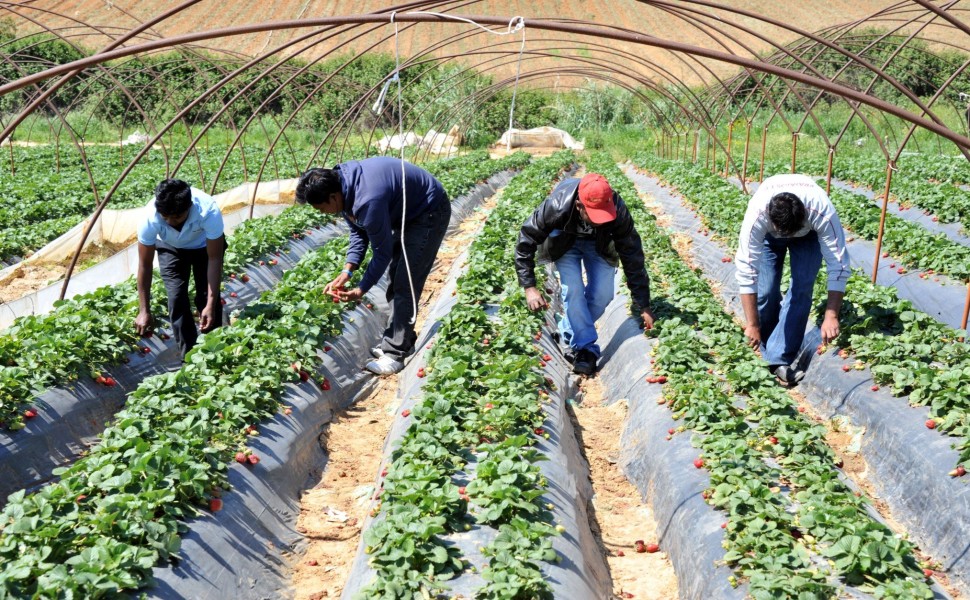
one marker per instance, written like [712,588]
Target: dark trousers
[175,265]
[422,240]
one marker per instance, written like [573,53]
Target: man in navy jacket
[369,195]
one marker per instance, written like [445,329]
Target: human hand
[143,323]
[753,335]
[830,329]
[648,319]
[206,318]
[349,295]
[534,299]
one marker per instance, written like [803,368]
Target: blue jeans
[783,321]
[584,304]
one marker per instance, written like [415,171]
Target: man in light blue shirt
[185,227]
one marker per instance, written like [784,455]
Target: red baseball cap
[597,197]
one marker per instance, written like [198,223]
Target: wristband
[347,272]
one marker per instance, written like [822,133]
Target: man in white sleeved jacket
[789,214]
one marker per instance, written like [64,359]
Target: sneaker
[385,365]
[585,363]
[376,352]
[786,375]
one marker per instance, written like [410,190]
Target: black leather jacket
[617,241]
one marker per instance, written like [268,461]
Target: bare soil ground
[620,517]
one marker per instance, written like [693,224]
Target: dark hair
[786,212]
[316,185]
[172,197]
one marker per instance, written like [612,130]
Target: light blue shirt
[203,223]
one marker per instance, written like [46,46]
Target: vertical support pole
[727,159]
[744,163]
[966,310]
[828,176]
[890,167]
[697,136]
[794,149]
[13,169]
[764,142]
[714,153]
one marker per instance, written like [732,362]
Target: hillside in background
[119,16]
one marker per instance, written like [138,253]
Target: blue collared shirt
[203,223]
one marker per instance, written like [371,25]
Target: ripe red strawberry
[232,276]
[262,263]
[885,255]
[639,546]
[215,504]
[273,261]
[253,459]
[875,388]
[325,385]
[233,295]
[773,440]
[546,357]
[724,525]
[244,278]
[241,457]
[421,372]
[662,379]
[146,350]
[900,270]
[405,413]
[671,431]
[369,306]
[542,363]
[304,376]
[80,497]
[960,471]
[287,411]
[222,301]
[892,265]
[846,368]
[539,430]
[30,413]
[110,381]
[927,573]
[538,336]
[698,462]
[312,562]
[485,342]
[651,379]
[99,379]
[652,547]
[462,490]
[327,348]
[489,406]
[930,424]
[619,553]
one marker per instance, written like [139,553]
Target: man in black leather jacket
[583,225]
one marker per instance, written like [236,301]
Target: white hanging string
[517,23]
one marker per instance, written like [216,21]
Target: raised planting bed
[908,463]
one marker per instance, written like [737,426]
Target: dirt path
[620,518]
[333,511]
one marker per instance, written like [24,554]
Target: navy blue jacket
[373,196]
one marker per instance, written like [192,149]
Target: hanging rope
[517,23]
